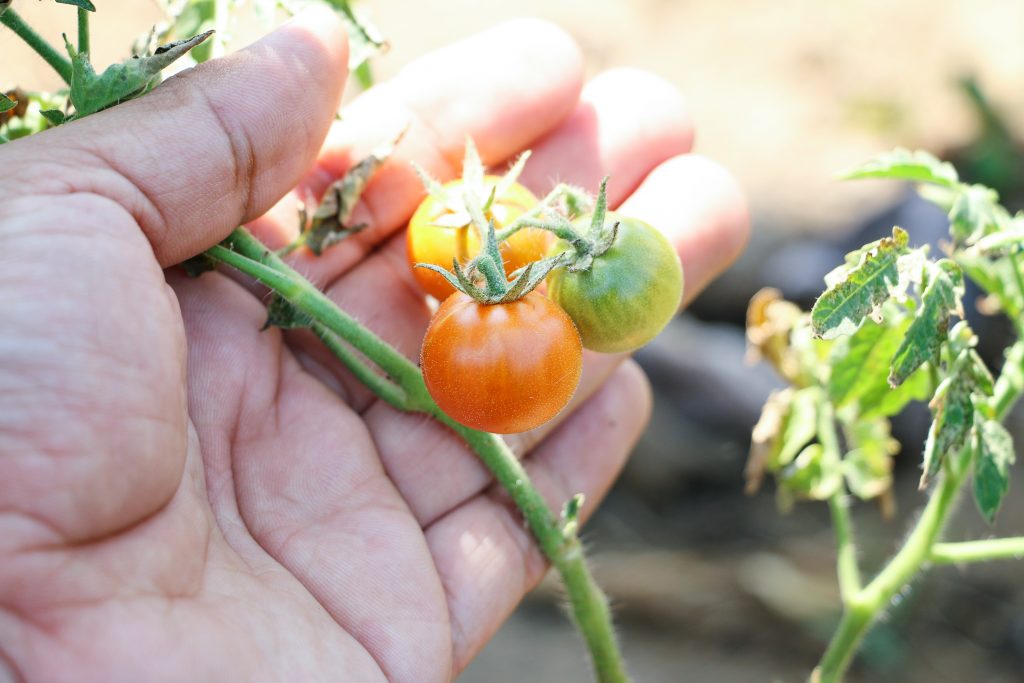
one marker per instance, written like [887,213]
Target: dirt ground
[710,585]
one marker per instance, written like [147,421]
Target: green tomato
[629,293]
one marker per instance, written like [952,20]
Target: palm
[189,498]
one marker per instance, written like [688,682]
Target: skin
[187,498]
[629,293]
[502,368]
[428,243]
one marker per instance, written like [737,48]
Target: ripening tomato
[629,294]
[502,368]
[439,244]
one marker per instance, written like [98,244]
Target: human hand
[185,497]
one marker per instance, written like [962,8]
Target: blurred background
[709,584]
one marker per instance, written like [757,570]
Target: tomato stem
[404,388]
[60,64]
[863,607]
[83,30]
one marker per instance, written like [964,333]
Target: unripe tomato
[629,294]
[502,368]
[428,243]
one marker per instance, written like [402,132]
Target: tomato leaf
[976,212]
[198,264]
[953,410]
[867,467]
[902,164]
[329,223]
[364,39]
[765,438]
[54,117]
[789,421]
[860,364]
[6,103]
[997,277]
[1010,240]
[91,93]
[280,313]
[81,4]
[994,455]
[924,338]
[810,475]
[842,308]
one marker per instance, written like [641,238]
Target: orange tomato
[430,243]
[502,368]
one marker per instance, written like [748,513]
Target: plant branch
[60,64]
[1010,384]
[846,549]
[377,383]
[83,30]
[978,551]
[872,600]
[405,389]
[589,604]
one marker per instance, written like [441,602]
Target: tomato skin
[629,294]
[502,368]
[428,243]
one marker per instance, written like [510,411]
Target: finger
[485,555]
[210,148]
[504,87]
[702,209]
[626,122]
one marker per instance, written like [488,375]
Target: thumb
[209,149]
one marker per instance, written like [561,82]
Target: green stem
[1010,384]
[588,602]
[377,383]
[978,551]
[405,389]
[866,605]
[561,231]
[83,30]
[921,547]
[559,191]
[846,549]
[1015,262]
[245,253]
[60,64]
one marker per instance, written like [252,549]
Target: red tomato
[502,368]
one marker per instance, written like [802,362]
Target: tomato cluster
[499,356]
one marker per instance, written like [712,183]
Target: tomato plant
[629,292]
[878,338]
[441,231]
[501,368]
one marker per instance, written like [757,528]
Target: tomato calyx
[484,278]
[474,189]
[586,247]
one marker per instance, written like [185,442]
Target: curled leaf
[842,308]
[925,336]
[91,93]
